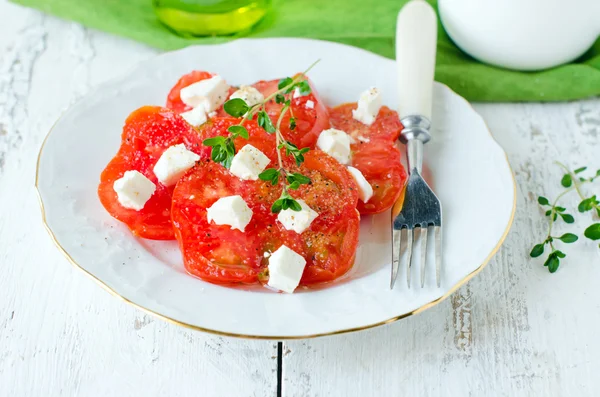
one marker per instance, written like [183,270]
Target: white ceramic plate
[470,171]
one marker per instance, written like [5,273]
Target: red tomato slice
[386,126]
[173,100]
[329,245]
[220,255]
[379,162]
[148,132]
[309,121]
[375,154]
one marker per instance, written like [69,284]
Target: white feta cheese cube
[248,163]
[174,163]
[297,93]
[134,190]
[309,104]
[249,94]
[285,269]
[210,93]
[196,117]
[369,104]
[232,211]
[297,221]
[335,143]
[365,191]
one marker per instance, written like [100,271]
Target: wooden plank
[60,334]
[514,330]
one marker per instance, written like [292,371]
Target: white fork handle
[416,36]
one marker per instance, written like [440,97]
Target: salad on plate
[260,183]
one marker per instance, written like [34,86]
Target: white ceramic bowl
[522,34]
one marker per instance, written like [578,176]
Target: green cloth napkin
[369,24]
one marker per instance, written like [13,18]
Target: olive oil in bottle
[210,17]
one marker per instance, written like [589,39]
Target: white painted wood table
[514,330]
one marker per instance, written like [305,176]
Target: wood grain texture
[514,330]
[60,334]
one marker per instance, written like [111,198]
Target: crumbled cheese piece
[134,190]
[196,117]
[297,93]
[297,221]
[335,143]
[249,94]
[364,187]
[285,269]
[210,93]
[368,106]
[248,163]
[174,163]
[232,211]
[309,104]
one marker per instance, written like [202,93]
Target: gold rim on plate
[274,337]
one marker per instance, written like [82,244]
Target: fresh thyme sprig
[572,181]
[223,149]
[291,180]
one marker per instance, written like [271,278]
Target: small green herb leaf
[568,218]
[292,150]
[238,131]
[543,201]
[284,83]
[296,177]
[285,202]
[236,107]
[580,170]
[593,232]
[568,238]
[587,204]
[279,98]
[537,250]
[292,123]
[548,212]
[566,180]
[304,87]
[218,140]
[270,174]
[560,254]
[560,209]
[552,262]
[265,122]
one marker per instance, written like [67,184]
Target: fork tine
[396,247]
[423,238]
[438,254]
[409,244]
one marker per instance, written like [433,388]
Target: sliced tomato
[147,133]
[329,245]
[379,162]
[310,121]
[173,100]
[386,126]
[220,255]
[375,154]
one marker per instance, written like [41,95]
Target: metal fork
[420,209]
